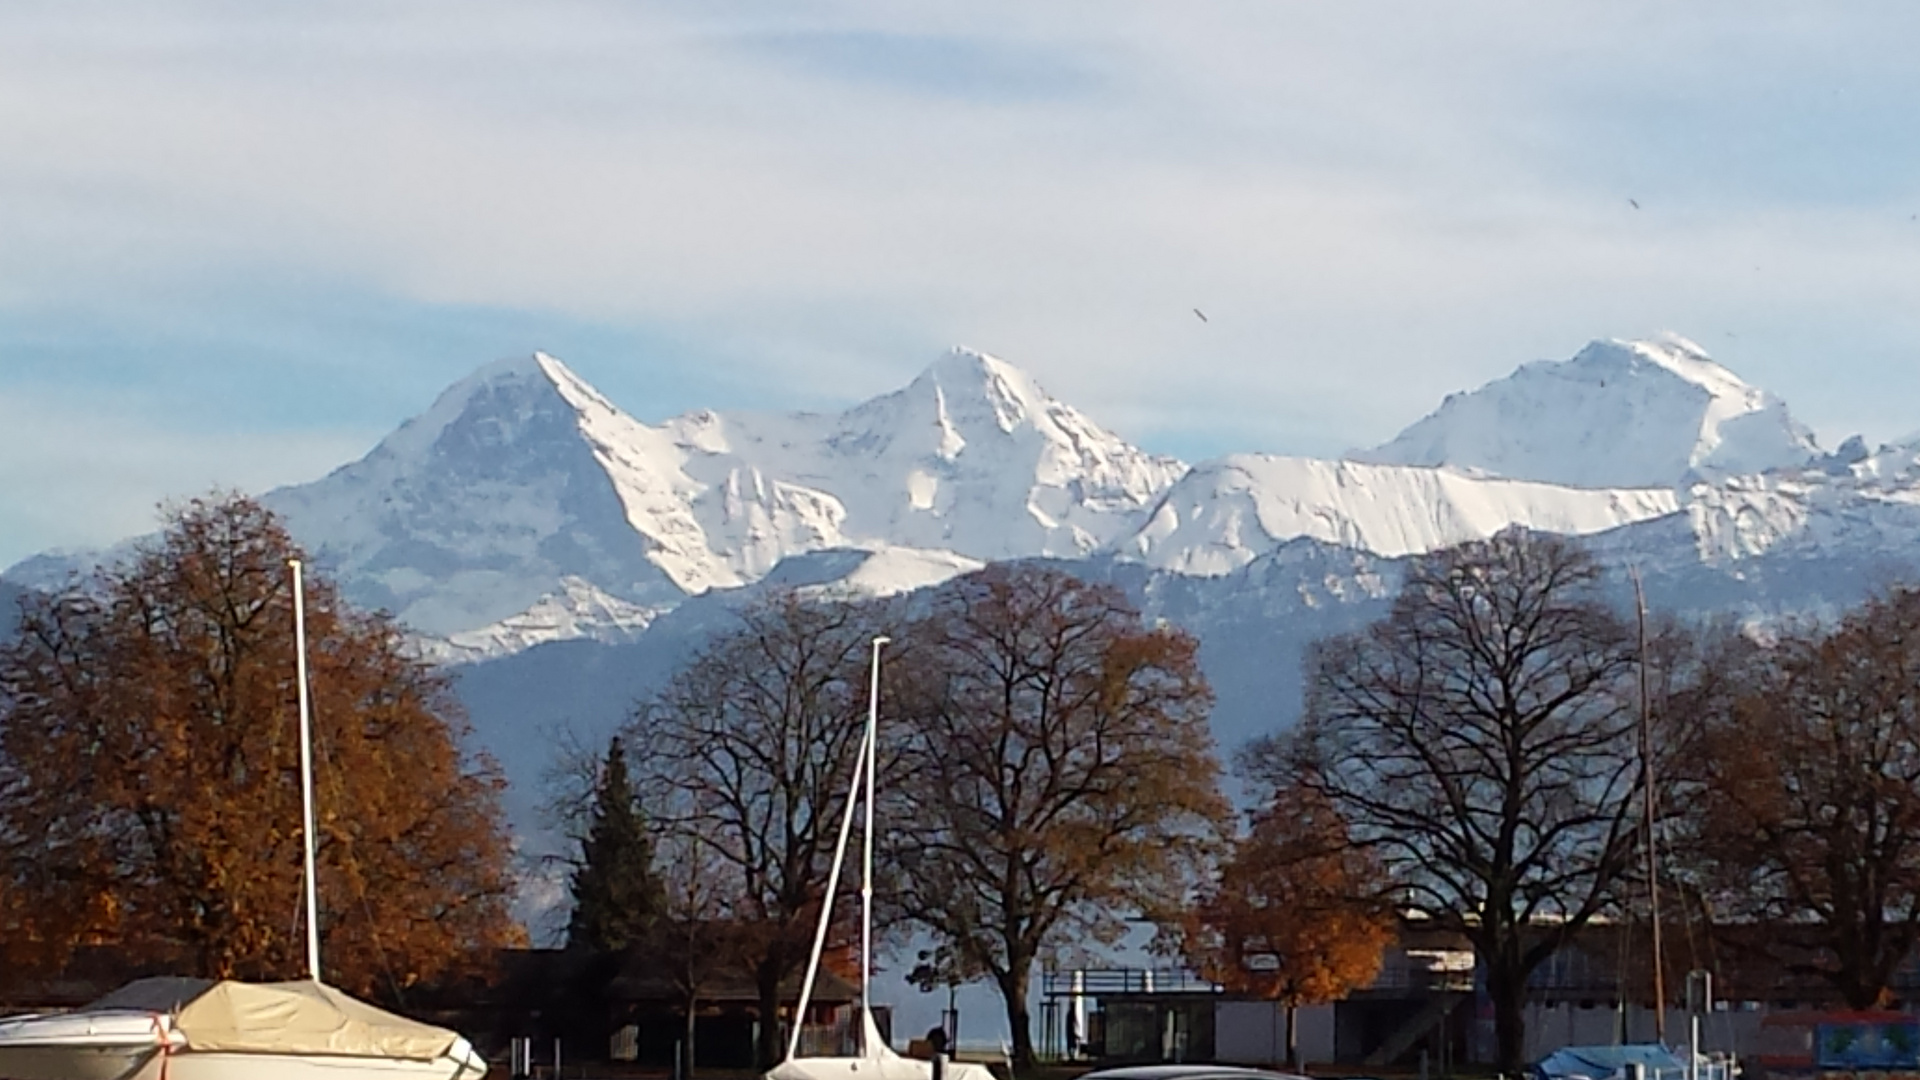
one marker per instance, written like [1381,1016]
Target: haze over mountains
[566,555]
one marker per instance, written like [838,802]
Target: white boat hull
[76,1063]
[878,1063]
[122,1063]
[128,1045]
[878,1067]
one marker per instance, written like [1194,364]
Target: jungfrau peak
[1620,414]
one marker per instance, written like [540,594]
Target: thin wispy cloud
[78,475]
[320,215]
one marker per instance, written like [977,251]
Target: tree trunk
[769,1051]
[1013,990]
[686,1056]
[1508,989]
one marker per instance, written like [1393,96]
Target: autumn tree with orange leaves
[1297,914]
[1807,821]
[150,792]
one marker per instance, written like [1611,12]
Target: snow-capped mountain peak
[1684,358]
[1011,396]
[518,375]
[572,387]
[969,399]
[971,457]
[477,508]
[523,477]
[1619,414]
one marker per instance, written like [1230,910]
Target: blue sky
[240,242]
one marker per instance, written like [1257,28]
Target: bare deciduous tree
[752,747]
[1481,739]
[1057,772]
[697,940]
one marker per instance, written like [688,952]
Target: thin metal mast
[866,869]
[1646,779]
[826,907]
[306,771]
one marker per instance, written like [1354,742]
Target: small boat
[196,1029]
[876,1062]
[172,1028]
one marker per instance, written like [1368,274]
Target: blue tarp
[1609,1062]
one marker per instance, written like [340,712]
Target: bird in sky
[1635,203]
[1202,314]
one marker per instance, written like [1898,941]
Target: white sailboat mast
[866,869]
[306,771]
[863,765]
[826,908]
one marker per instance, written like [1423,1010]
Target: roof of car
[1187,1072]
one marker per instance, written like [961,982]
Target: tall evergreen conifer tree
[616,892]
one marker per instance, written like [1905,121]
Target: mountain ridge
[1227,511]
[523,476]
[523,505]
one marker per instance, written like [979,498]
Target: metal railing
[1401,977]
[1123,982]
[1143,982]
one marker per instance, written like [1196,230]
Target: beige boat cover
[303,1018]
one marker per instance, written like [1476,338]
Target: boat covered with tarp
[199,1029]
